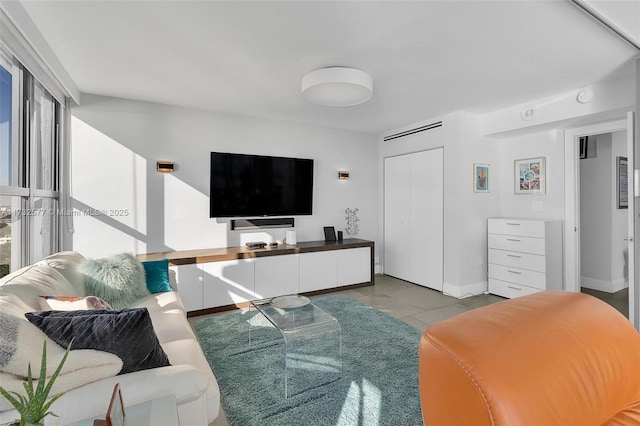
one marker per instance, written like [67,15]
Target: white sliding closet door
[427,220]
[397,230]
[413,217]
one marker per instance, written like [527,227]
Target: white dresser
[525,256]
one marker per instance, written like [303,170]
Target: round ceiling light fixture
[337,86]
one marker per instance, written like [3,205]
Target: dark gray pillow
[128,334]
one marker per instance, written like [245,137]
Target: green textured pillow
[118,279]
[156,273]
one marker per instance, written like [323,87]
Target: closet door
[427,218]
[397,220]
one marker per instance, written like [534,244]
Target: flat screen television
[256,185]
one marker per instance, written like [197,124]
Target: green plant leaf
[34,407]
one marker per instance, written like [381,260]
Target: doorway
[572,226]
[603,218]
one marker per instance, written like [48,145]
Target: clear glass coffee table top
[312,341]
[297,317]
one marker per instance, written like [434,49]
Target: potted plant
[33,408]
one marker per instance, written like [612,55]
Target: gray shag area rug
[377,385]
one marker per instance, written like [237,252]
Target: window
[30,119]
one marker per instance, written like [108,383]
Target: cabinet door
[354,266]
[228,282]
[397,202]
[426,245]
[276,275]
[318,270]
[189,285]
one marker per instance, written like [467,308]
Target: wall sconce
[343,175]
[164,166]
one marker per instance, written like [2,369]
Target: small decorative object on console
[352,221]
[256,244]
[329,233]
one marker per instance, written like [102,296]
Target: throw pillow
[117,279]
[156,273]
[128,334]
[72,303]
[21,346]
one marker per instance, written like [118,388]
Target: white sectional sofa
[189,377]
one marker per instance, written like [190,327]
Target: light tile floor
[415,305]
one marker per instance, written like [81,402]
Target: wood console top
[185,257]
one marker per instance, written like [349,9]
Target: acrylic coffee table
[312,340]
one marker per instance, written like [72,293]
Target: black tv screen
[256,185]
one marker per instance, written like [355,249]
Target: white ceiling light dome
[337,86]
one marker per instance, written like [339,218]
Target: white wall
[619,219]
[603,226]
[596,189]
[116,143]
[548,144]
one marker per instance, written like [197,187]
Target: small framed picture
[115,412]
[329,233]
[584,146]
[480,177]
[622,175]
[530,176]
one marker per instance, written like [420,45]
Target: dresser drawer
[518,276]
[515,243]
[532,262]
[510,290]
[519,227]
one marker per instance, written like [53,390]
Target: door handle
[628,238]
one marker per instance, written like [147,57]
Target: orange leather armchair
[551,358]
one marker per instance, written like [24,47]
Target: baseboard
[602,285]
[464,291]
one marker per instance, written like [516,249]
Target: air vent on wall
[412,131]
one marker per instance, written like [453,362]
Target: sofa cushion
[72,303]
[128,334]
[13,305]
[160,302]
[157,275]
[171,325]
[118,279]
[66,262]
[31,281]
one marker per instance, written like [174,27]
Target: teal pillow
[156,273]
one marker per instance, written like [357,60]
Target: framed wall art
[480,177]
[530,176]
[622,182]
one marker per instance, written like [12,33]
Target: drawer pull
[514,288]
[513,224]
[514,272]
[513,255]
[513,239]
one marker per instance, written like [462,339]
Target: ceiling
[427,58]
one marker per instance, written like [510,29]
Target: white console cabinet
[190,286]
[524,256]
[276,275]
[227,282]
[221,279]
[319,270]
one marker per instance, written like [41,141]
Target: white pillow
[72,303]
